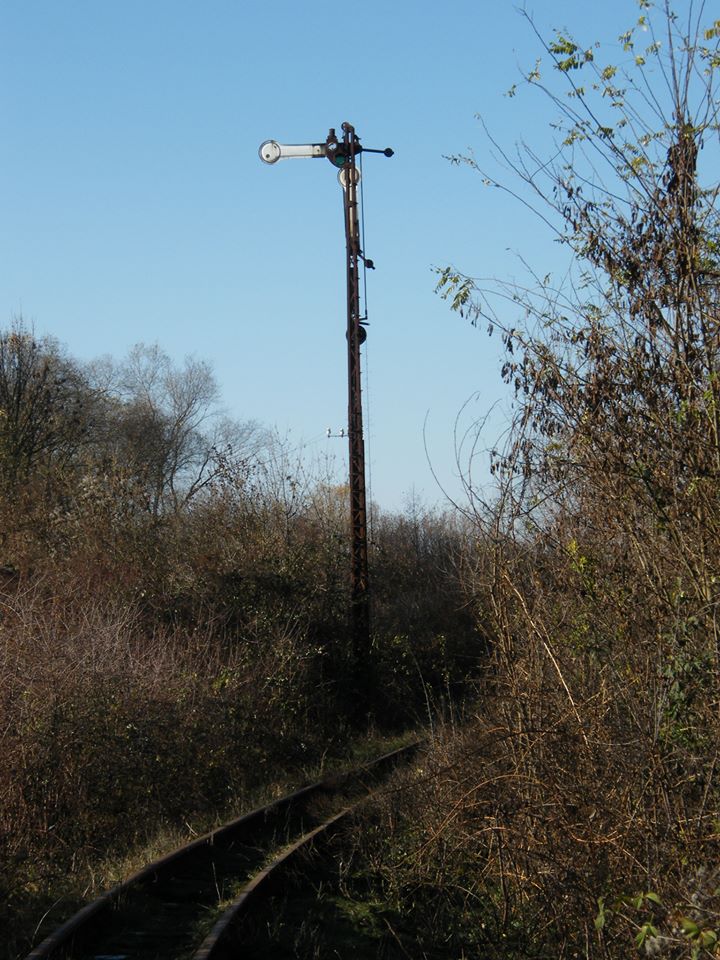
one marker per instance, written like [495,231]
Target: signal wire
[370,508]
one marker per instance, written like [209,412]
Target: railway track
[171,909]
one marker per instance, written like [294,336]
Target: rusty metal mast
[343,154]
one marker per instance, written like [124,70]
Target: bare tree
[616,366]
[45,407]
[168,431]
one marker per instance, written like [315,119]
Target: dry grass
[107,733]
[550,828]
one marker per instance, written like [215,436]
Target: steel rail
[221,943]
[238,833]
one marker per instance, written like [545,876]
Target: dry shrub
[580,814]
[577,815]
[551,828]
[107,732]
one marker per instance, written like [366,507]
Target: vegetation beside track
[173,632]
[578,814]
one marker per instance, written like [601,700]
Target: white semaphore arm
[271,151]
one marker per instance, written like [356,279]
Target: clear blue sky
[133,205]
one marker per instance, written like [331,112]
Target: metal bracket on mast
[342,154]
[271,151]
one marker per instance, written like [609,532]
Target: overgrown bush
[528,836]
[108,732]
[578,815]
[174,616]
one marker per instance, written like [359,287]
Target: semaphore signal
[342,154]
